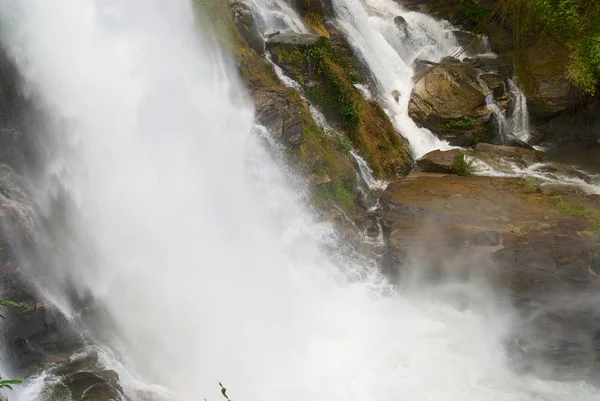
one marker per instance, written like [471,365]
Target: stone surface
[438,161]
[520,244]
[450,100]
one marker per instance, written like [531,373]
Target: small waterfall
[276,15]
[366,173]
[389,55]
[519,120]
[498,118]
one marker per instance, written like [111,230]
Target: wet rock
[244,21]
[292,133]
[520,244]
[499,156]
[450,100]
[487,238]
[438,161]
[473,44]
[304,7]
[290,41]
[513,141]
[496,84]
[549,91]
[560,170]
[421,65]
[400,22]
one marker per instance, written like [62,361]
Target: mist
[200,245]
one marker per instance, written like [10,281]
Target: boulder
[561,170]
[401,23]
[548,90]
[450,100]
[304,7]
[438,161]
[471,43]
[290,41]
[244,21]
[500,157]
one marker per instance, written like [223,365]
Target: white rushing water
[498,118]
[519,120]
[389,55]
[206,259]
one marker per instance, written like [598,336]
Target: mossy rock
[328,72]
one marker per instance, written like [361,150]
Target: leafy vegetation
[476,13]
[7,384]
[573,24]
[462,123]
[528,186]
[462,166]
[330,68]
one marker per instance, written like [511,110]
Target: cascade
[389,57]
[205,254]
[499,119]
[519,120]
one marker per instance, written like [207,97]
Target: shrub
[462,166]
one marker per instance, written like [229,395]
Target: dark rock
[515,142]
[471,43]
[496,84]
[244,21]
[290,41]
[401,23]
[421,65]
[548,91]
[487,238]
[292,134]
[304,7]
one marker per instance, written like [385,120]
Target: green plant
[335,191]
[462,123]
[528,186]
[224,392]
[573,24]
[7,384]
[579,210]
[474,12]
[462,166]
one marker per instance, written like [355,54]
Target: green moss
[336,192]
[579,210]
[333,72]
[462,166]
[476,13]
[462,123]
[528,186]
[480,137]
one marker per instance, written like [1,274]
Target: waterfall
[389,55]
[519,120]
[277,15]
[200,246]
[498,118]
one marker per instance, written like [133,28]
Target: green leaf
[6,386]
[12,382]
[7,302]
